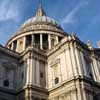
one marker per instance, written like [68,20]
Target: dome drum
[40,41]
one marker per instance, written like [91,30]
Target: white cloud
[9,10]
[71,17]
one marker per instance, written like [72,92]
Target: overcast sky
[79,16]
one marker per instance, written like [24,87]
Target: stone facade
[42,62]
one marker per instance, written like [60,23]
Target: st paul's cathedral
[43,62]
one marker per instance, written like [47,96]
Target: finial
[40,11]
[89,43]
[73,34]
[98,44]
[41,3]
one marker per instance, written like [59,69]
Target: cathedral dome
[40,19]
[39,31]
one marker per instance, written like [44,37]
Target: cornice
[72,40]
[9,52]
[35,53]
[75,79]
[42,25]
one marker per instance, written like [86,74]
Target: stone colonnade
[30,40]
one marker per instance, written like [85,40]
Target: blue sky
[79,16]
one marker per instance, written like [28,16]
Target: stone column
[12,46]
[41,42]
[49,41]
[24,43]
[32,40]
[17,48]
[56,39]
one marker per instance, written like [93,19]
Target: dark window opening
[15,45]
[6,83]
[21,43]
[91,75]
[59,39]
[56,80]
[36,98]
[96,97]
[45,41]
[52,42]
[41,75]
[28,40]
[22,76]
[37,40]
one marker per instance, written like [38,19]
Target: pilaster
[37,73]
[78,59]
[73,59]
[95,65]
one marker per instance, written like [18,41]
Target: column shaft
[12,46]
[41,42]
[32,40]
[49,41]
[56,39]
